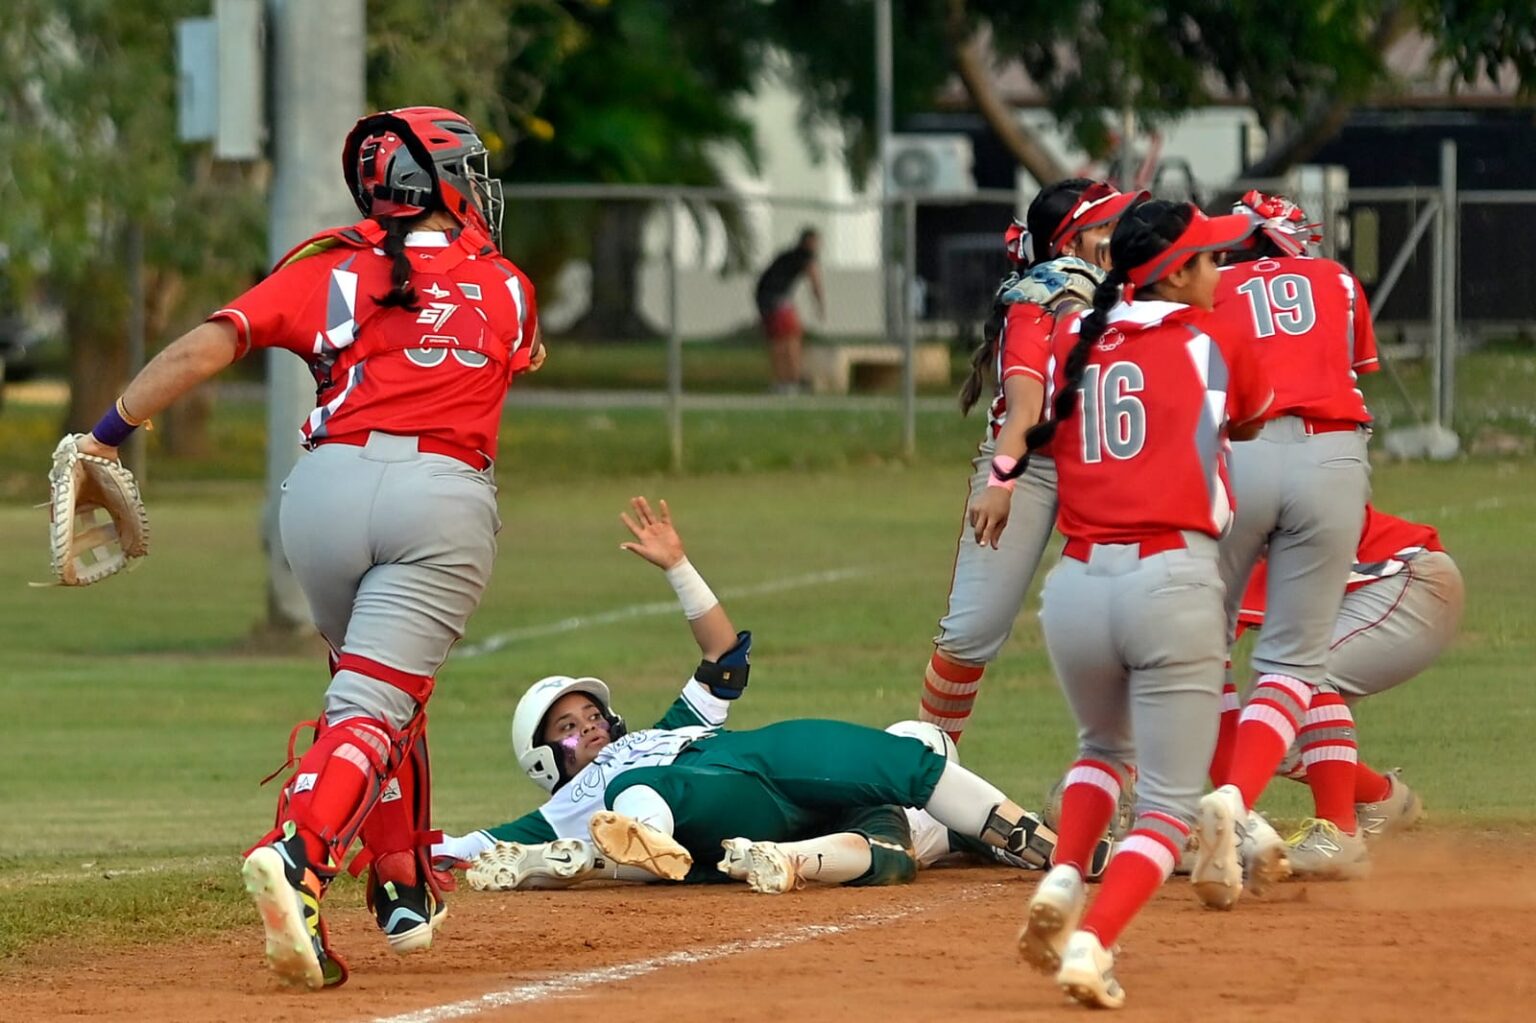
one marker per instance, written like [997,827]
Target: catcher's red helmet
[1281,221]
[402,163]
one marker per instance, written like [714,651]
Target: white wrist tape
[692,591]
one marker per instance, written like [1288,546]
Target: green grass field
[139,716]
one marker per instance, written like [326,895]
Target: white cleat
[1218,871]
[1263,853]
[773,871]
[1087,973]
[512,866]
[628,841]
[1401,809]
[1320,850]
[734,861]
[290,949]
[1054,912]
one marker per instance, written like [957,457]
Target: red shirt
[1383,541]
[1144,452]
[441,371]
[1313,329]
[1025,347]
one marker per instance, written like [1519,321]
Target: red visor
[1204,234]
[1099,204]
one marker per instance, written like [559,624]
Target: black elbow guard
[727,677]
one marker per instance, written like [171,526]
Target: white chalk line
[580,980]
[501,640]
[91,872]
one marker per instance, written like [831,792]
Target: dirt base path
[1444,930]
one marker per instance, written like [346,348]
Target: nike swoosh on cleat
[403,914]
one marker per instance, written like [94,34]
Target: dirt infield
[1444,930]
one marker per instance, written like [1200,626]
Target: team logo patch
[304,782]
[436,292]
[436,313]
[391,792]
[1110,340]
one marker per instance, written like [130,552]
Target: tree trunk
[617,254]
[95,327]
[182,428]
[971,64]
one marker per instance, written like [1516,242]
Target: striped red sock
[1329,751]
[1139,867]
[1088,801]
[1265,731]
[1370,787]
[1226,732]
[949,693]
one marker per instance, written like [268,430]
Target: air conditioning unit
[930,165]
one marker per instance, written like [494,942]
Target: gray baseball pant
[1137,646]
[988,586]
[1303,496]
[393,549]
[1390,631]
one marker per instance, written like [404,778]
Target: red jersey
[1313,329]
[1385,542]
[1144,451]
[1024,348]
[439,371]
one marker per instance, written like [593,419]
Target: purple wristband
[113,428]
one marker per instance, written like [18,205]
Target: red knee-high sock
[1370,787]
[1088,803]
[337,779]
[1265,730]
[1138,868]
[949,693]
[1329,751]
[1226,732]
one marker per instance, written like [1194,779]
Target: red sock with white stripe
[949,693]
[1226,732]
[1088,801]
[1265,730]
[1140,865]
[1328,749]
[1370,786]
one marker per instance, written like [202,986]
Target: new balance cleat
[735,860]
[407,907]
[1263,853]
[1087,973]
[634,844]
[1399,810]
[1322,851]
[512,866]
[1217,873]
[287,890]
[1054,912]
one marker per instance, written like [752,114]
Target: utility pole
[316,76]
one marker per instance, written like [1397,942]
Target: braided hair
[1145,230]
[401,292]
[1051,205]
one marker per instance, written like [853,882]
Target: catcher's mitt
[85,549]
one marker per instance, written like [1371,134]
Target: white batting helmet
[932,736]
[540,760]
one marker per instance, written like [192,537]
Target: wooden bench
[839,369]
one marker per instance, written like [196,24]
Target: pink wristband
[1002,463]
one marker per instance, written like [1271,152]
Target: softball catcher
[414,325]
[1145,397]
[1401,608]
[1059,252]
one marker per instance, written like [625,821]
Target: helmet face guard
[406,162]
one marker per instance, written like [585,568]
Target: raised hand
[655,539]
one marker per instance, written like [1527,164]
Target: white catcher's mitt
[82,488]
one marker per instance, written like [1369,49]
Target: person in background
[776,307]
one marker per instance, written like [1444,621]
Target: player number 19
[1280,304]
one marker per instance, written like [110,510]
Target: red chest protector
[469,299]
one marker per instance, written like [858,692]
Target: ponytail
[400,293]
[983,356]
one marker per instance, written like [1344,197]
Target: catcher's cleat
[287,891]
[1399,810]
[634,844]
[773,871]
[735,861]
[1217,873]
[406,906]
[1054,913]
[1087,973]
[1320,850]
[1263,853]
[512,866]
